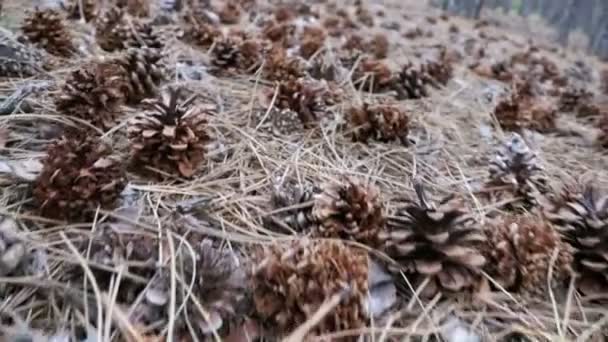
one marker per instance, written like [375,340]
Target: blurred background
[578,24]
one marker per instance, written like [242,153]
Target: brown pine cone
[136,8]
[379,45]
[282,34]
[230,13]
[281,67]
[196,31]
[94,93]
[47,30]
[373,75]
[519,250]
[145,71]
[413,82]
[303,97]
[79,174]
[72,8]
[225,53]
[291,281]
[580,213]
[381,122]
[250,56]
[312,40]
[171,136]
[350,211]
[441,242]
[524,110]
[572,98]
[114,31]
[214,280]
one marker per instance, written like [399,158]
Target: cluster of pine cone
[432,246]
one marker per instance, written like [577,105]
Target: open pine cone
[145,71]
[225,53]
[350,211]
[580,213]
[18,60]
[439,242]
[250,56]
[414,81]
[290,282]
[230,13]
[281,67]
[79,174]
[114,31]
[523,110]
[515,169]
[12,249]
[171,136]
[381,122]
[571,98]
[303,97]
[72,8]
[603,136]
[94,93]
[373,75]
[218,286]
[196,31]
[519,250]
[290,193]
[312,40]
[47,30]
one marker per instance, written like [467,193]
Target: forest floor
[453,135]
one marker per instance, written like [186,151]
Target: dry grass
[454,134]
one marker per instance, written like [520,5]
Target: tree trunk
[479,8]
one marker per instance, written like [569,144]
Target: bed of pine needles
[453,135]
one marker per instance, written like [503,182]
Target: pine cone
[230,13]
[12,249]
[350,211]
[145,72]
[519,251]
[282,34]
[18,60]
[290,193]
[379,45]
[280,67]
[94,93]
[440,242]
[72,8]
[250,55]
[292,281]
[171,136]
[114,32]
[78,176]
[303,97]
[572,98]
[440,69]
[516,169]
[580,213]
[198,32]
[523,110]
[373,75]
[136,8]
[46,29]
[218,285]
[312,40]
[413,82]
[381,122]
[225,54]
[603,136]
